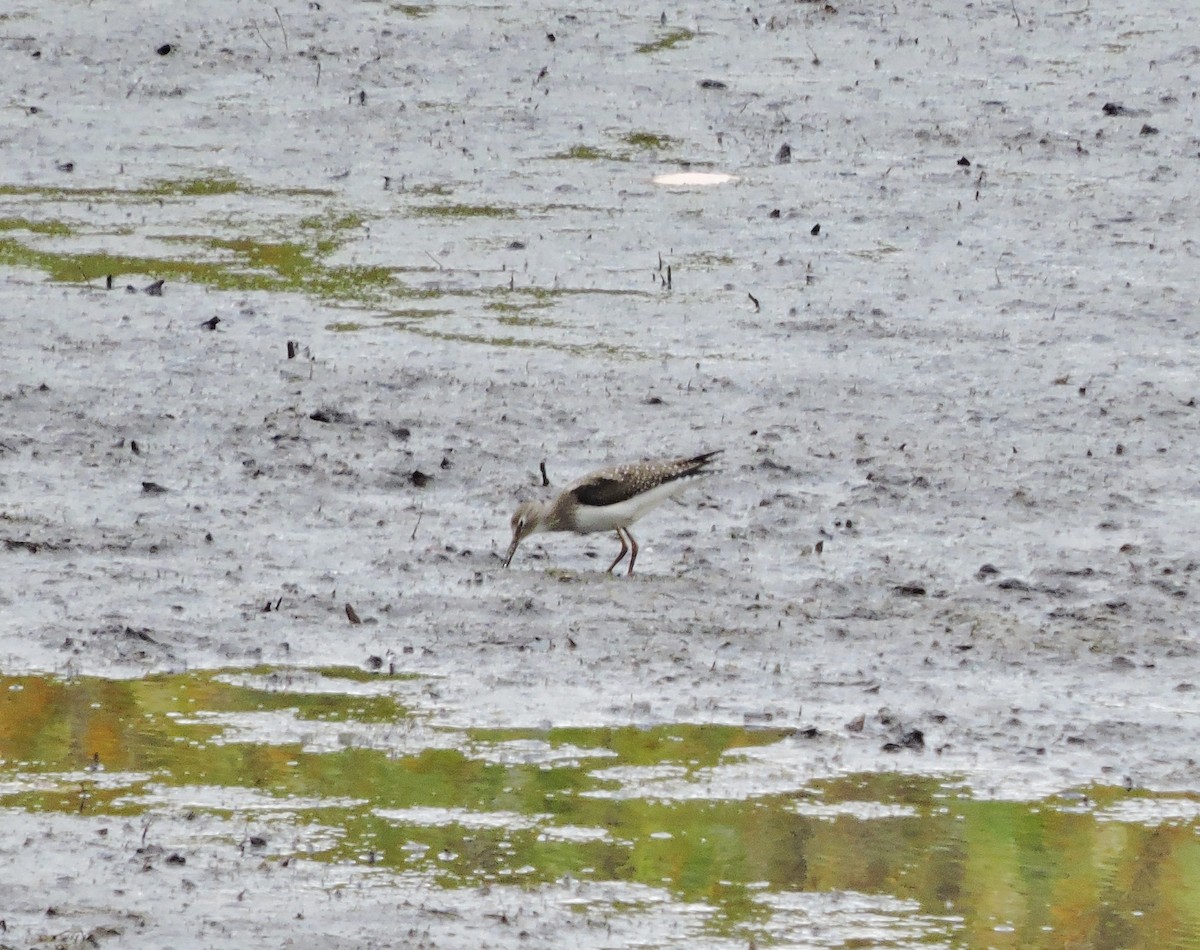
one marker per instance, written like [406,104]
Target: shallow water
[327,766]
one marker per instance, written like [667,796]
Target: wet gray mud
[932,622]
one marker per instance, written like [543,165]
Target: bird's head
[525,520]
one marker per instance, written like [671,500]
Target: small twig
[318,82]
[545,477]
[270,48]
[435,260]
[282,29]
[1015,14]
[420,515]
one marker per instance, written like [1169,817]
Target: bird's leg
[624,548]
[633,554]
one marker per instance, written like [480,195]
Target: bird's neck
[552,517]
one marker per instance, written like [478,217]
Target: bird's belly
[590,518]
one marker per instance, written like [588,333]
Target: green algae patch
[528,300]
[75,268]
[352,674]
[242,264]
[648,141]
[589,153]
[159,189]
[667,41]
[295,262]
[515,320]
[297,267]
[344,222]
[195,235]
[65,193]
[675,808]
[196,187]
[416,313]
[462,211]
[635,141]
[52,228]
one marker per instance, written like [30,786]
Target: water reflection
[896,858]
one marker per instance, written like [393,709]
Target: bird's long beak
[512,549]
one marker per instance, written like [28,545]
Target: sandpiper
[610,499]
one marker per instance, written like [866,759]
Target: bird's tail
[702,462]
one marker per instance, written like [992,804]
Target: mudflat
[296,301]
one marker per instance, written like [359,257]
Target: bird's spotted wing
[611,486]
[601,490]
